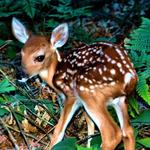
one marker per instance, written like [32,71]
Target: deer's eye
[40,58]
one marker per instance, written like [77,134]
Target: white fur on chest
[44,74]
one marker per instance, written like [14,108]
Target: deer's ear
[19,30]
[59,35]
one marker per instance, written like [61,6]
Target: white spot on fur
[100,71]
[94,68]
[119,65]
[98,59]
[104,78]
[113,61]
[105,69]
[81,77]
[91,87]
[127,77]
[124,62]
[103,60]
[110,79]
[127,66]
[90,81]
[112,83]
[101,86]
[59,82]
[86,89]
[87,54]
[81,88]
[70,71]
[109,59]
[113,71]
[98,52]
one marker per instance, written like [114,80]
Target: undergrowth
[17,103]
[138,45]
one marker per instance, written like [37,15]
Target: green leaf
[84,148]
[138,45]
[66,144]
[2,42]
[134,105]
[96,140]
[143,89]
[11,52]
[30,8]
[3,111]
[7,14]
[108,39]
[5,86]
[52,23]
[143,118]
[145,142]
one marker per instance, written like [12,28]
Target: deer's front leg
[70,106]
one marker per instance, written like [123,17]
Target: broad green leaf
[3,112]
[5,86]
[84,148]
[11,52]
[145,142]
[96,140]
[2,100]
[66,144]
[143,118]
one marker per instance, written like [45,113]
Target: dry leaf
[28,127]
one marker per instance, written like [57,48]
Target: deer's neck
[47,74]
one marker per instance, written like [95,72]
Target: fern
[29,7]
[66,11]
[138,45]
[143,89]
[140,38]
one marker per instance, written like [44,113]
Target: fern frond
[140,38]
[138,45]
[145,73]
[143,89]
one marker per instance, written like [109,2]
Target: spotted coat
[94,66]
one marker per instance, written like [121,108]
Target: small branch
[9,134]
[19,126]
[44,107]
[45,134]
[86,138]
[29,135]
[6,43]
[32,122]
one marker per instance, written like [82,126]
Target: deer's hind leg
[120,106]
[96,108]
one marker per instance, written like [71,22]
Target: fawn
[92,76]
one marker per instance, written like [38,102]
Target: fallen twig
[10,135]
[19,126]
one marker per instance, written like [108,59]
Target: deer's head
[38,51]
